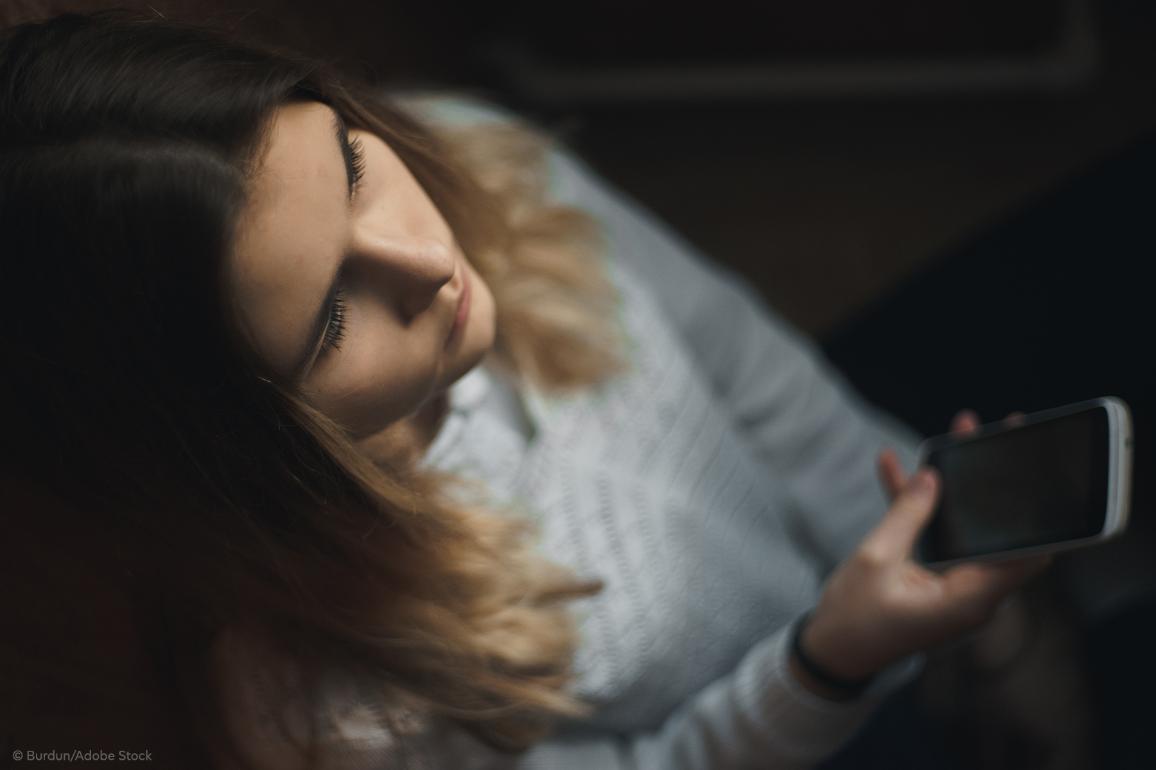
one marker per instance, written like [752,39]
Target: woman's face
[354,297]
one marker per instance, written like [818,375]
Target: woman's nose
[412,269]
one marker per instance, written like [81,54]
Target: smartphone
[1055,480]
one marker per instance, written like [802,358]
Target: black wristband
[849,687]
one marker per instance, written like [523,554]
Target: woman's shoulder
[569,179]
[454,107]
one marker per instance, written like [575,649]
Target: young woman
[303,367]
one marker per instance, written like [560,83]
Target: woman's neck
[429,420]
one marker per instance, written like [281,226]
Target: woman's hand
[880,605]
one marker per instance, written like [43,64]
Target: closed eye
[355,163]
[335,327]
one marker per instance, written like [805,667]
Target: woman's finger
[895,536]
[965,422]
[891,473]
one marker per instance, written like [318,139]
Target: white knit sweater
[712,488]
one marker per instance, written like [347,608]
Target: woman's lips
[463,310]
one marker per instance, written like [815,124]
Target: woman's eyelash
[335,329]
[356,161]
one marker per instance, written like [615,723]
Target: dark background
[955,198]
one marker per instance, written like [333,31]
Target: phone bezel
[1119,475]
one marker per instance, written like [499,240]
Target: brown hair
[228,500]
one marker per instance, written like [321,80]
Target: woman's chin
[465,362]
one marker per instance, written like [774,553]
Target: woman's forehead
[292,231]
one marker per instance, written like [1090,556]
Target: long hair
[126,145]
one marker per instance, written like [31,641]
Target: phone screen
[1029,485]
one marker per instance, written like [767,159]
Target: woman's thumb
[908,514]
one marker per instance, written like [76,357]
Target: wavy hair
[126,145]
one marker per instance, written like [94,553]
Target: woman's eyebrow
[321,316]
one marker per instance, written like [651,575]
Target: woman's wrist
[816,674]
[814,686]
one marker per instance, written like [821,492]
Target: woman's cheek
[373,383]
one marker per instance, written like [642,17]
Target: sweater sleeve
[757,716]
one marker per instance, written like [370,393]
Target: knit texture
[712,487]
